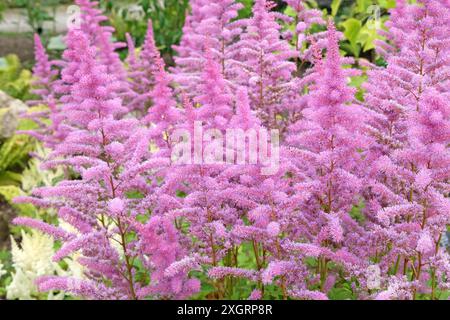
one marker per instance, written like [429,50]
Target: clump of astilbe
[229,206]
[99,37]
[209,207]
[111,155]
[418,59]
[142,68]
[328,148]
[213,22]
[265,65]
[410,123]
[412,211]
[258,200]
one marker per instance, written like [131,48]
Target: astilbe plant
[204,207]
[112,164]
[49,88]
[407,199]
[327,147]
[417,59]
[360,185]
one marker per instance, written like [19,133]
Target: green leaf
[340,294]
[134,194]
[10,178]
[11,192]
[289,11]
[387,4]
[352,29]
[14,151]
[13,79]
[367,37]
[335,4]
[362,5]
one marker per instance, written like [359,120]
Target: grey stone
[10,109]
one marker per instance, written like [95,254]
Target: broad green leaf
[362,5]
[387,4]
[352,29]
[340,294]
[335,4]
[367,37]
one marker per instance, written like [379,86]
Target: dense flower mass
[358,203]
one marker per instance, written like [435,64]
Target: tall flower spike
[213,22]
[214,95]
[44,74]
[100,36]
[45,77]
[264,64]
[164,114]
[329,147]
[142,73]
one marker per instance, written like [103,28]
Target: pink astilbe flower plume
[142,70]
[163,116]
[331,143]
[214,96]
[100,37]
[45,76]
[265,65]
[214,22]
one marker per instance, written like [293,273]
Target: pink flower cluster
[360,200]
